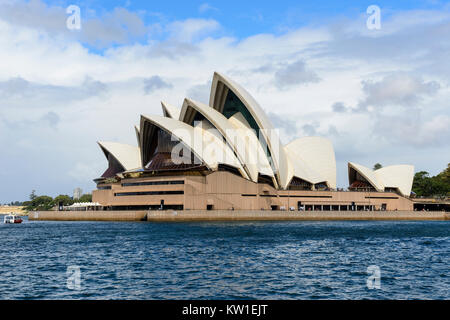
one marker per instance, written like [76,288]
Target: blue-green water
[264,260]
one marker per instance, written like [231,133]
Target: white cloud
[116,27]
[192,29]
[397,89]
[205,7]
[155,83]
[200,92]
[294,74]
[435,132]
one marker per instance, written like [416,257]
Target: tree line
[437,186]
[44,203]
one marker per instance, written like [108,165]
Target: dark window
[265,179]
[147,193]
[234,105]
[224,167]
[299,184]
[321,186]
[153,207]
[381,197]
[301,196]
[104,187]
[152,183]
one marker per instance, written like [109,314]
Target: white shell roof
[313,160]
[206,146]
[252,144]
[128,156]
[397,176]
[279,157]
[233,137]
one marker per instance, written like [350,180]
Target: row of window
[285,196]
[147,193]
[104,187]
[152,183]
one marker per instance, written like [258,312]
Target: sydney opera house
[226,155]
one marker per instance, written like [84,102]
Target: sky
[380,95]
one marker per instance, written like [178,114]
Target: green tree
[377,166]
[65,199]
[437,186]
[85,198]
[42,203]
[422,184]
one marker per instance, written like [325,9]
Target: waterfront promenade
[229,215]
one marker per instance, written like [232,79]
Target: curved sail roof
[315,155]
[170,111]
[228,98]
[299,169]
[205,146]
[398,176]
[251,143]
[189,113]
[128,156]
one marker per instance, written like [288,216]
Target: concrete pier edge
[228,215]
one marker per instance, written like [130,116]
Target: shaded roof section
[204,145]
[126,155]
[366,173]
[229,98]
[314,158]
[170,111]
[138,136]
[399,177]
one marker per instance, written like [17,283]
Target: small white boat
[12,218]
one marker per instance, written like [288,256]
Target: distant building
[77,193]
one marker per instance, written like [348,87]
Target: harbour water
[263,260]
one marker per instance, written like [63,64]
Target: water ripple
[264,260]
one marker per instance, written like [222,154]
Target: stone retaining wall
[228,215]
[88,215]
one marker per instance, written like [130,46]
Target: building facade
[227,156]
